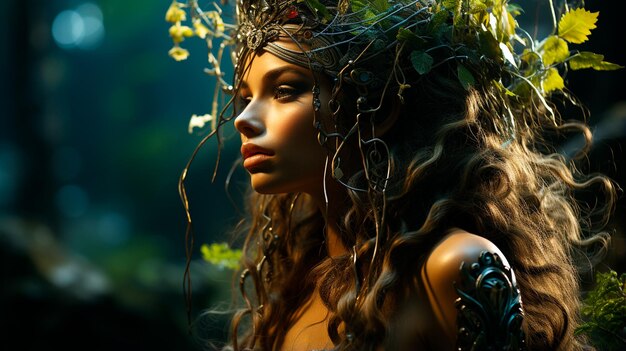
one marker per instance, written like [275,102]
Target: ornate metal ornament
[256,38]
[489,308]
[392,44]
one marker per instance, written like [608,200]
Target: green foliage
[438,19]
[455,7]
[576,25]
[422,62]
[480,38]
[319,8]
[587,59]
[555,50]
[552,80]
[407,36]
[465,77]
[489,46]
[374,11]
[604,312]
[221,255]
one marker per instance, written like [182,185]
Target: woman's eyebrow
[278,71]
[273,74]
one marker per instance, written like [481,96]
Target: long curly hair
[467,156]
[450,166]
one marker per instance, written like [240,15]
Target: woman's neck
[332,204]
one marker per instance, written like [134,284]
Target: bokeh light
[81,28]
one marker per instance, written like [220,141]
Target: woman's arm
[472,294]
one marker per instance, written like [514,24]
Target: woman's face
[279,141]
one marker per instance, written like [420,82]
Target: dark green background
[92,143]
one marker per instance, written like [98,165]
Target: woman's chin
[264,184]
[268,184]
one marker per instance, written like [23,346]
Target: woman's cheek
[292,123]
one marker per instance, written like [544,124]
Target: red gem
[293,13]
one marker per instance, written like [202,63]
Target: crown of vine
[481,37]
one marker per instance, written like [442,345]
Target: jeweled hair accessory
[481,38]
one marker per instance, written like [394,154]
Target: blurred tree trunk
[35,186]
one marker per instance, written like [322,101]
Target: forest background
[93,137]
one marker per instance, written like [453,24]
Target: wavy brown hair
[451,166]
[468,157]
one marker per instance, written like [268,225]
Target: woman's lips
[253,162]
[254,155]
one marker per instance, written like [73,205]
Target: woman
[405,190]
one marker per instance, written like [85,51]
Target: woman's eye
[285,92]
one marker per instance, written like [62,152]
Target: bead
[292,12]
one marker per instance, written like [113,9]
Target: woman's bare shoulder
[456,247]
[450,276]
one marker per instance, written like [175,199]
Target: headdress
[480,37]
[383,48]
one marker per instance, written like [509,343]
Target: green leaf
[576,25]
[489,45]
[221,255]
[502,23]
[438,19]
[319,8]
[607,66]
[476,7]
[454,6]
[604,312]
[504,89]
[465,77]
[370,9]
[422,62]
[451,4]
[409,37]
[552,80]
[357,5]
[507,54]
[514,9]
[587,59]
[554,50]
[379,6]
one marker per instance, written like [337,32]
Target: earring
[316,98]
[377,164]
[337,172]
[270,240]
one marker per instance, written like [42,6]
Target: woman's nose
[249,123]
